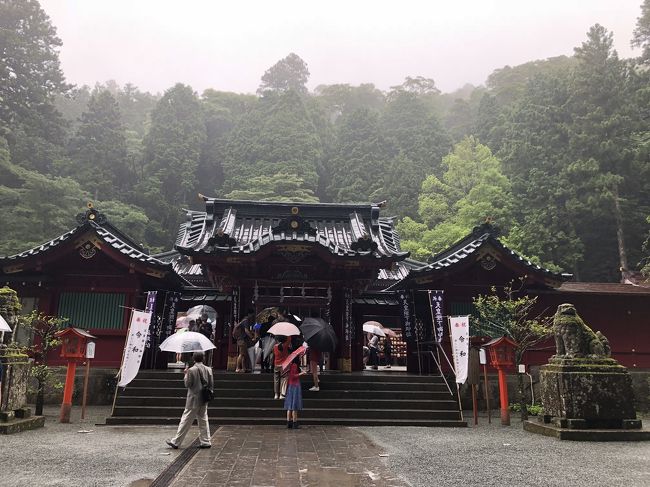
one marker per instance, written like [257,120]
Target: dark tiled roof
[243,227]
[203,294]
[400,270]
[467,248]
[104,230]
[603,288]
[387,299]
[193,273]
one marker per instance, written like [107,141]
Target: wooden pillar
[336,319]
[503,396]
[66,406]
[235,315]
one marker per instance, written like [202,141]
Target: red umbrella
[298,352]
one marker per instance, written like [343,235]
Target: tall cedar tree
[276,137]
[98,150]
[30,75]
[172,152]
[357,164]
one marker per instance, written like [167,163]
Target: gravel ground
[492,455]
[109,456]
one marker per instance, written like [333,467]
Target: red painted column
[503,396]
[66,406]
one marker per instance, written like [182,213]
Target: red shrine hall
[341,262]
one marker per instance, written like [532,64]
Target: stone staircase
[368,398]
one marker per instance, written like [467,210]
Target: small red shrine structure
[502,356]
[73,350]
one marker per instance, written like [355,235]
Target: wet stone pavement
[264,456]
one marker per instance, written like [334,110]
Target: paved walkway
[262,456]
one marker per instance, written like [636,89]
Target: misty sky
[228,44]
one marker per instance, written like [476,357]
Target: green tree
[641,35]
[43,328]
[603,122]
[415,143]
[99,150]
[343,99]
[172,152]
[278,187]
[34,217]
[278,136]
[472,188]
[357,163]
[512,313]
[30,75]
[288,74]
[222,112]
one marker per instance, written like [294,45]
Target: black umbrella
[319,334]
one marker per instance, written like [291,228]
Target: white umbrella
[189,341]
[374,329]
[284,328]
[4,326]
[196,312]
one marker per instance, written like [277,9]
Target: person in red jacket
[293,401]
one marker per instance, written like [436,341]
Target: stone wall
[640,386]
[101,387]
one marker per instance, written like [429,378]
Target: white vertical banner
[459,333]
[135,345]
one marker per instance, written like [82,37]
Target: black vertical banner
[151,308]
[235,307]
[348,326]
[170,311]
[437,306]
[406,314]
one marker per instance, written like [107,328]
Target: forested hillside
[555,152]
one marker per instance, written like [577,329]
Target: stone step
[251,412]
[313,401]
[265,391]
[325,384]
[214,420]
[379,376]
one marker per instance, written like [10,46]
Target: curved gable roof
[469,248]
[244,227]
[97,223]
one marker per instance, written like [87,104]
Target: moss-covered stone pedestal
[587,399]
[14,415]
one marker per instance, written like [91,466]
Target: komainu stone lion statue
[574,339]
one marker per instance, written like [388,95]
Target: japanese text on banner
[406,315]
[435,300]
[134,346]
[459,333]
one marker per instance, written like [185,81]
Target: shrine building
[342,262]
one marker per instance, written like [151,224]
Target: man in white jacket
[195,406]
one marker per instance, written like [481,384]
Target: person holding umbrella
[388,351]
[280,353]
[195,407]
[293,399]
[321,338]
[373,341]
[244,336]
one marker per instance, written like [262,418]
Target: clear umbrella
[188,341]
[197,311]
[371,327]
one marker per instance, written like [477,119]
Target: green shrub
[533,409]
